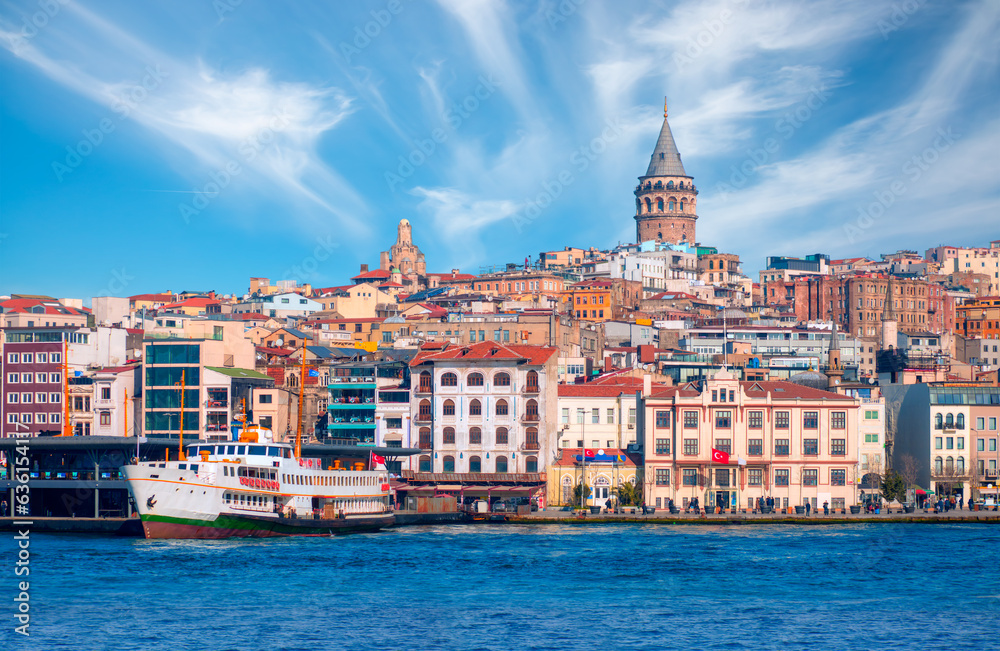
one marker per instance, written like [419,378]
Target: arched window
[425,463]
[501,380]
[671,205]
[425,438]
[449,380]
[949,421]
[711,264]
[449,436]
[424,410]
[949,465]
[531,438]
[638,205]
[659,235]
[449,464]
[501,465]
[475,408]
[658,185]
[449,408]
[531,410]
[670,185]
[960,421]
[531,382]
[502,436]
[960,466]
[425,382]
[938,421]
[938,465]
[475,436]
[501,407]
[649,206]
[659,204]
[682,205]
[475,464]
[475,379]
[531,464]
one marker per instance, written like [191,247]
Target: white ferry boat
[255,487]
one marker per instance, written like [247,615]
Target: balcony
[217,404]
[423,389]
[529,446]
[423,418]
[530,388]
[529,418]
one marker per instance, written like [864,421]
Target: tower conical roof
[666,160]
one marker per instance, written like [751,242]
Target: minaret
[889,323]
[666,199]
[835,369]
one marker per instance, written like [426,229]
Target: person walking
[960,500]
[3,508]
[807,507]
[826,508]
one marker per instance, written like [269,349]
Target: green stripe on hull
[237,526]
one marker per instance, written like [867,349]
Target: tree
[579,491]
[909,469]
[894,487]
[629,494]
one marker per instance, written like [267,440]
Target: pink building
[790,442]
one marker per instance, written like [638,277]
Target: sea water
[852,586]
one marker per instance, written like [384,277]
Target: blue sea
[852,586]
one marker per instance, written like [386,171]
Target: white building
[278,305]
[484,408]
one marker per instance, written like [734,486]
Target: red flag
[587,452]
[378,459]
[718,456]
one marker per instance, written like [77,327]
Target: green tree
[580,490]
[894,487]
[629,494]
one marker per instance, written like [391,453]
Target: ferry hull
[238,526]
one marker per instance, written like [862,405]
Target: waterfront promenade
[663,517]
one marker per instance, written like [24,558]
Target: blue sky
[191,145]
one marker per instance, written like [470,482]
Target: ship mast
[67,426]
[302,391]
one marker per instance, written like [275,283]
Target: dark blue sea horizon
[852,586]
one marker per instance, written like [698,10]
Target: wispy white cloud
[269,128]
[459,219]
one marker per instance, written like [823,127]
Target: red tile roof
[280,352]
[251,316]
[778,390]
[27,305]
[323,291]
[533,355]
[375,274]
[451,276]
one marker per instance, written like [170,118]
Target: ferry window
[241,449]
[230,449]
[258,449]
[194,467]
[183,466]
[273,452]
[288,454]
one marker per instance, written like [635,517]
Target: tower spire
[664,107]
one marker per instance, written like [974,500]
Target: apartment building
[484,408]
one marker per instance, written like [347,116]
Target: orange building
[602,299]
[979,319]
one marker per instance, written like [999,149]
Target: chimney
[454,272]
[364,269]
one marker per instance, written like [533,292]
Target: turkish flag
[718,456]
[378,459]
[587,452]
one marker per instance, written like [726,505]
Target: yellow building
[605,470]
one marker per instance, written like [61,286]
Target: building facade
[483,408]
[793,443]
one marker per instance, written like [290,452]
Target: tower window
[670,205]
[659,205]
[661,155]
[682,206]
